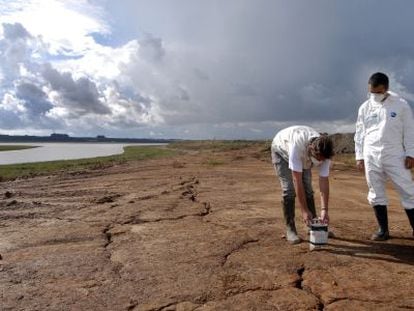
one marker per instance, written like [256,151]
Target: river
[61,151]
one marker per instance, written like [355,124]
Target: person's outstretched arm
[300,194]
[324,189]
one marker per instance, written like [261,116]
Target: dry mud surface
[202,231]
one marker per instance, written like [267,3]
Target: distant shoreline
[11,147]
[63,138]
[130,153]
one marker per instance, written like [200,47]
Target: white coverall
[384,137]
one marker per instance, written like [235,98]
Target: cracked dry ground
[182,234]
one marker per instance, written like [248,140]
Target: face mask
[315,161]
[377,98]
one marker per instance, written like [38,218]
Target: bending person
[294,151]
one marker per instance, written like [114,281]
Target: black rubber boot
[382,217]
[289,214]
[410,214]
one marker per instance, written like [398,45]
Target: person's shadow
[384,251]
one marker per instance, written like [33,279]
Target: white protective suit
[384,137]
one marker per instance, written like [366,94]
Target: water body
[61,151]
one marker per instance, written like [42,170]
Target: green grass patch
[15,147]
[216,145]
[131,153]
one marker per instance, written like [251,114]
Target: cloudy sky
[196,69]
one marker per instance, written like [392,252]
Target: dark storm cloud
[80,96]
[10,120]
[183,94]
[34,94]
[244,89]
[237,68]
[297,61]
[35,99]
[16,49]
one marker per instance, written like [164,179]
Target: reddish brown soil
[202,231]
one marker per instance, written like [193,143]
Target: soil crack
[108,236]
[254,289]
[299,285]
[366,300]
[299,281]
[236,248]
[135,220]
[133,305]
[108,198]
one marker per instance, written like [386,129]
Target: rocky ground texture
[200,231]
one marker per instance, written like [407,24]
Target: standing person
[384,148]
[294,151]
